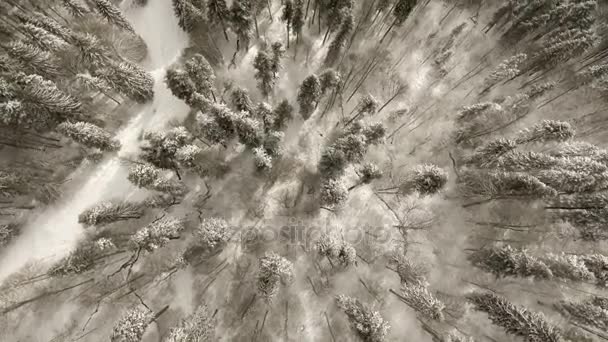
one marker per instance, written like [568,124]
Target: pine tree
[368,324]
[287,16]
[80,260]
[241,101]
[43,95]
[89,135]
[368,172]
[274,271]
[419,298]
[218,13]
[562,46]
[33,59]
[547,130]
[354,146]
[335,13]
[277,54]
[187,14]
[297,19]
[199,326]
[157,234]
[333,193]
[8,231]
[161,148]
[113,15]
[75,8]
[518,321]
[144,175]
[240,16]
[506,261]
[332,163]
[91,51]
[336,46]
[47,24]
[131,326]
[401,11]
[336,249]
[45,40]
[309,95]
[110,211]
[213,232]
[509,68]
[93,83]
[187,155]
[261,159]
[130,80]
[330,79]
[367,105]
[584,313]
[180,84]
[263,66]
[409,272]
[282,114]
[426,179]
[202,75]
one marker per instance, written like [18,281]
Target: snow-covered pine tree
[132,325]
[332,163]
[426,179]
[33,59]
[504,261]
[297,20]
[218,14]
[241,101]
[89,135]
[274,271]
[81,259]
[130,80]
[516,320]
[161,147]
[586,313]
[180,84]
[509,68]
[339,41]
[264,73]
[202,75]
[419,298]
[144,175]
[187,14]
[401,12]
[157,234]
[43,95]
[75,8]
[113,15]
[287,17]
[333,193]
[42,38]
[197,327]
[110,211]
[242,22]
[368,324]
[309,95]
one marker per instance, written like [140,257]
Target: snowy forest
[303,170]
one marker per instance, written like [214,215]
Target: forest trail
[52,233]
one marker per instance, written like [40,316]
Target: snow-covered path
[53,232]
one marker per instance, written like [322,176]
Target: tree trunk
[269,10]
[306,12]
[387,31]
[288,35]
[314,13]
[326,35]
[257,30]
